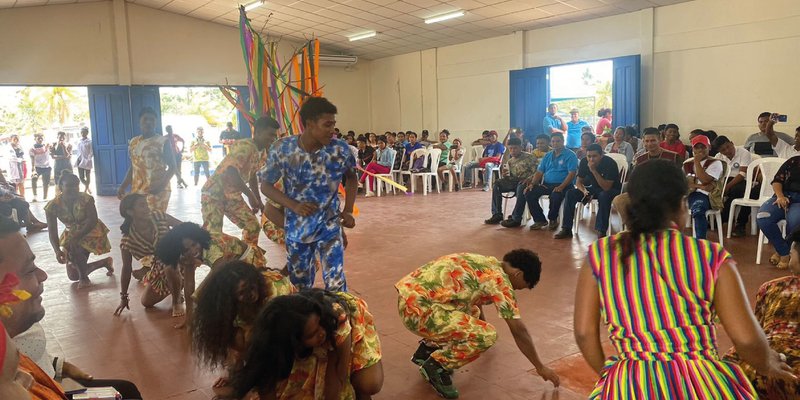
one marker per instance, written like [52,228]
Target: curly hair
[528,262]
[217,307]
[170,247]
[127,204]
[278,338]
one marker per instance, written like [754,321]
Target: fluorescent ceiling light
[254,5]
[445,17]
[360,36]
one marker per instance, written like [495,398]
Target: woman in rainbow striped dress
[659,292]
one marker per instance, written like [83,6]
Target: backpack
[715,196]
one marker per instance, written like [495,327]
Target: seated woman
[141,229]
[587,138]
[381,164]
[9,200]
[188,246]
[314,344]
[783,205]
[84,233]
[778,312]
[620,146]
[226,310]
[455,157]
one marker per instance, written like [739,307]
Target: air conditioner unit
[337,60]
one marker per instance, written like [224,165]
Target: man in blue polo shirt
[554,177]
[574,126]
[552,123]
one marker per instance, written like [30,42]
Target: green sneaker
[423,353]
[439,378]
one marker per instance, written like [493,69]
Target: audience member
[454,159]
[441,302]
[783,205]
[40,160]
[673,142]
[444,145]
[85,157]
[401,138]
[542,146]
[177,153]
[393,141]
[662,130]
[632,137]
[516,170]
[575,127]
[18,167]
[61,152]
[598,178]
[553,123]
[705,184]
[492,154]
[620,146]
[604,124]
[381,164]
[483,141]
[738,159]
[372,140]
[587,138]
[553,178]
[84,233]
[659,292]
[14,382]
[777,310]
[424,140]
[761,136]
[781,148]
[200,149]
[410,147]
[365,153]
[10,201]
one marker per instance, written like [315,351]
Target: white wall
[122,43]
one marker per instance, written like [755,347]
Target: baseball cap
[701,139]
[574,111]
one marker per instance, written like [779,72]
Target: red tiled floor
[393,236]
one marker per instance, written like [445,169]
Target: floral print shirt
[147,162]
[244,156]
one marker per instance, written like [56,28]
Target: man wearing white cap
[574,126]
[705,186]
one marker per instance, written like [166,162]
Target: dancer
[442,302]
[312,166]
[660,291]
[222,193]
[152,164]
[84,234]
[84,163]
[289,354]
[227,307]
[142,228]
[188,246]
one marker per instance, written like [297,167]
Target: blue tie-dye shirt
[309,178]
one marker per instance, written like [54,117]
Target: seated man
[19,259]
[598,178]
[705,185]
[492,153]
[738,158]
[761,136]
[519,167]
[542,146]
[441,302]
[553,177]
[9,201]
[780,147]
[483,141]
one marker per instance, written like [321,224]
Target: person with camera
[781,148]
[751,144]
[516,170]
[598,178]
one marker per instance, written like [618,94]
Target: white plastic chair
[397,174]
[389,175]
[457,168]
[769,167]
[434,155]
[622,166]
[711,213]
[412,176]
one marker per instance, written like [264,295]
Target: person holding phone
[781,148]
[762,137]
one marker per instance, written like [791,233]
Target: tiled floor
[394,235]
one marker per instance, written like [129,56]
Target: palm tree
[57,101]
[603,92]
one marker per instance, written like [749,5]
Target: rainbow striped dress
[660,319]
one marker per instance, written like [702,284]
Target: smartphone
[72,387]
[783,118]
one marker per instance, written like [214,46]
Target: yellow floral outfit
[778,312]
[227,247]
[72,216]
[441,300]
[273,232]
[219,198]
[147,165]
[307,379]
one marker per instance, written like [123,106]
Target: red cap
[701,139]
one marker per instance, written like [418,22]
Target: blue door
[625,100]
[529,90]
[114,116]
[244,126]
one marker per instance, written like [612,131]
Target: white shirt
[741,159]
[85,153]
[785,150]
[714,170]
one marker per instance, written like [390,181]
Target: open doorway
[587,87]
[28,112]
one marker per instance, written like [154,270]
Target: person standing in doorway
[575,127]
[200,149]
[19,165]
[552,123]
[227,137]
[85,156]
[61,152]
[152,164]
[177,152]
[40,159]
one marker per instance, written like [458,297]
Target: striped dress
[660,319]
